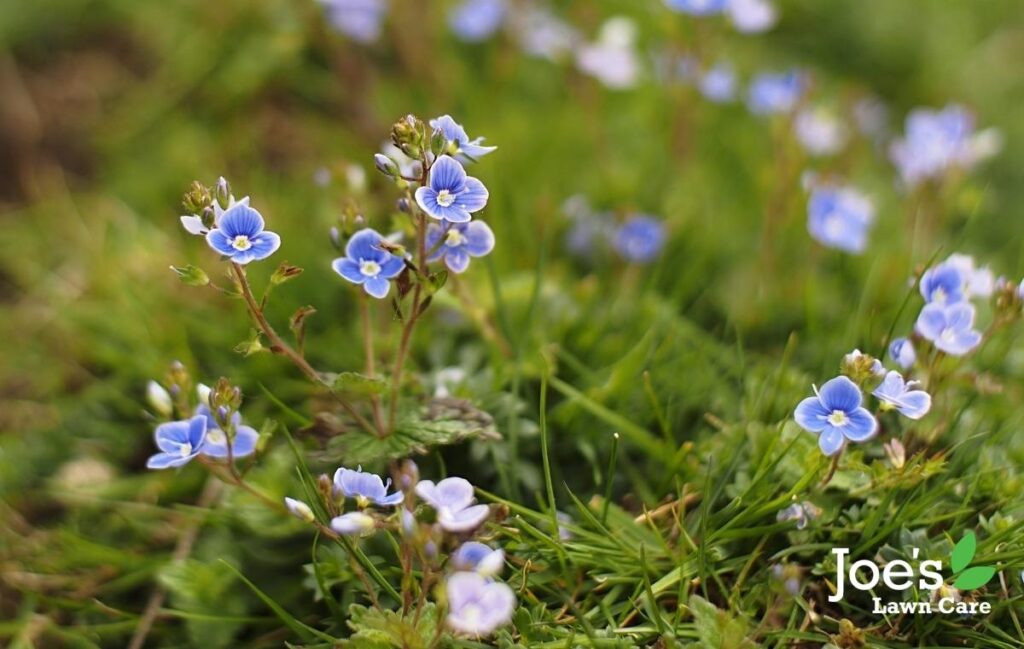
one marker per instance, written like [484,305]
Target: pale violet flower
[943,284]
[640,238]
[477,20]
[453,500]
[179,442]
[477,606]
[752,16]
[836,416]
[840,217]
[719,83]
[299,510]
[978,281]
[450,195]
[479,558]
[936,141]
[354,524]
[802,513]
[698,7]
[216,445]
[612,59]
[949,327]
[365,488]
[459,242]
[897,394]
[770,92]
[458,141]
[239,235]
[819,131]
[360,20]
[901,350]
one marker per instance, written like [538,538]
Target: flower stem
[364,307]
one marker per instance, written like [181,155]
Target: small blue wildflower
[466,150]
[459,242]
[803,513]
[835,414]
[453,500]
[451,195]
[354,524]
[612,58]
[477,606]
[360,20]
[194,224]
[698,7]
[366,488]
[217,441]
[367,263]
[640,238]
[819,131]
[895,393]
[839,217]
[772,93]
[934,141]
[950,328]
[179,442]
[943,284]
[479,558]
[299,510]
[542,34]
[719,84]
[752,16]
[239,235]
[979,281]
[477,20]
[902,351]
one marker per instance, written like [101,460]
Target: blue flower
[819,131]
[640,238]
[802,512]
[477,606]
[719,83]
[460,242]
[453,500]
[978,281]
[451,195]
[217,441]
[358,19]
[934,142]
[895,393]
[458,140]
[839,217]
[476,20]
[239,235]
[698,7]
[354,524]
[771,93]
[479,558]
[367,263]
[752,16]
[179,442]
[365,488]
[835,415]
[950,328]
[943,284]
[902,351]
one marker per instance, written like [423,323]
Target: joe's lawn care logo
[899,575]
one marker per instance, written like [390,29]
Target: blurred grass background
[109,108]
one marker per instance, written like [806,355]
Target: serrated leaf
[975,577]
[360,385]
[963,552]
[381,629]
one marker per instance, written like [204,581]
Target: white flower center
[948,335]
[454,238]
[838,418]
[445,198]
[216,436]
[184,449]
[369,268]
[939,295]
[241,242]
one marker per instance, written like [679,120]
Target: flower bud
[197,198]
[191,275]
[222,192]
[284,273]
[354,524]
[896,453]
[385,165]
[159,399]
[404,206]
[299,510]
[408,475]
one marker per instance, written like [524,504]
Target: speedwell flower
[479,558]
[640,238]
[771,93]
[179,442]
[698,7]
[367,263]
[839,217]
[752,16]
[451,195]
[239,235]
[950,328]
[718,84]
[358,19]
[902,351]
[835,414]
[897,394]
[453,500]
[460,242]
[476,20]
[979,281]
[476,605]
[216,444]
[458,140]
[354,524]
[943,284]
[802,512]
[365,488]
[934,141]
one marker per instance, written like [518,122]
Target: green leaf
[301,629]
[963,552]
[442,422]
[975,577]
[718,628]
[360,385]
[377,629]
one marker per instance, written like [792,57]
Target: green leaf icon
[963,552]
[975,577]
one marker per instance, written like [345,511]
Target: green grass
[111,107]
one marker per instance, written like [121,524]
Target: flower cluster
[937,141]
[747,16]
[839,217]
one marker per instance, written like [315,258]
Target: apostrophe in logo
[961,557]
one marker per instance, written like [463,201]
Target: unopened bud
[222,192]
[385,165]
[159,399]
[299,510]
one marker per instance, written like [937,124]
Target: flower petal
[193,225]
[391,267]
[166,460]
[811,415]
[348,269]
[457,260]
[473,197]
[447,173]
[240,219]
[861,425]
[377,287]
[830,441]
[264,244]
[220,242]
[931,321]
[915,404]
[479,238]
[170,436]
[840,393]
[364,245]
[463,520]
